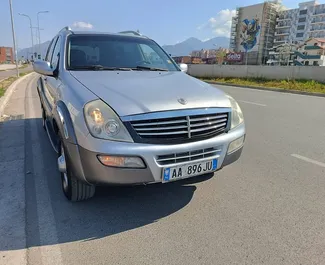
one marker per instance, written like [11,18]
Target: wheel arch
[63,127]
[62,122]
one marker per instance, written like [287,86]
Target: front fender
[63,119]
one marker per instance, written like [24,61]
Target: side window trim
[49,50]
[55,46]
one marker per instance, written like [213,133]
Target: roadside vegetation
[298,85]
[4,84]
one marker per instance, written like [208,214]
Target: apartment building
[6,55]
[253,30]
[317,25]
[297,25]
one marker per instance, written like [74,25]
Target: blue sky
[168,21]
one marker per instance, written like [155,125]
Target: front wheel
[73,189]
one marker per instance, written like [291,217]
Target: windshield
[110,52]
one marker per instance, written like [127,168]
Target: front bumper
[96,173]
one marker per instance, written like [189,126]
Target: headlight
[237,116]
[103,123]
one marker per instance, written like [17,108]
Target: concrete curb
[269,89]
[6,97]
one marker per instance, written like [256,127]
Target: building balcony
[283,18]
[282,26]
[318,29]
[282,33]
[317,34]
[280,40]
[319,13]
[318,21]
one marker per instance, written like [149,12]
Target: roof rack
[130,32]
[65,29]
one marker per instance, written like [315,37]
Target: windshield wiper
[141,67]
[99,67]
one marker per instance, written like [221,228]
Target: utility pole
[14,37]
[39,32]
[31,29]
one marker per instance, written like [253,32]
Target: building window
[300,35]
[301,27]
[315,63]
[306,62]
[303,19]
[303,12]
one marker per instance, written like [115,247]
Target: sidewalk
[12,179]
[7,67]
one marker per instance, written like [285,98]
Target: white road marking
[306,159]
[50,253]
[252,103]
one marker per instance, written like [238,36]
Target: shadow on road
[113,210]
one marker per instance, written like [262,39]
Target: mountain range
[186,47]
[180,49]
[26,53]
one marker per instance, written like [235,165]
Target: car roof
[133,34]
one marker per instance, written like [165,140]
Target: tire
[73,189]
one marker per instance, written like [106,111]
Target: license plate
[189,170]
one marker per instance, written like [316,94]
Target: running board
[52,136]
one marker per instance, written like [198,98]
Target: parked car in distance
[118,110]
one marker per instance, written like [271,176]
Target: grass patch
[299,85]
[4,84]
[24,66]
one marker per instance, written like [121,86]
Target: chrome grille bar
[209,128]
[209,118]
[170,125]
[188,156]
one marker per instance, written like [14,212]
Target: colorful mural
[249,32]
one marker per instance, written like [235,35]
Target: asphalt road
[267,208]
[8,73]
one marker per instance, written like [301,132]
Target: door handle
[45,79]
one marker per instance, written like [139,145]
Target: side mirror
[183,67]
[43,68]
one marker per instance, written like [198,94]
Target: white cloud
[220,24]
[82,25]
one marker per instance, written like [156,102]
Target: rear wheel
[73,189]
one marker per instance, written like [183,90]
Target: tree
[220,56]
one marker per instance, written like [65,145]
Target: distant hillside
[191,44]
[179,49]
[27,51]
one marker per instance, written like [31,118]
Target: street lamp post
[39,33]
[14,37]
[31,29]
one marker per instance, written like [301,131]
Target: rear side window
[50,50]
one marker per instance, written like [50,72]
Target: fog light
[122,161]
[234,145]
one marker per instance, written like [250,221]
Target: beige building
[312,53]
[253,29]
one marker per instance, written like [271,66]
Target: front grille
[182,127]
[188,156]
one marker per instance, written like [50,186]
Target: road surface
[8,73]
[268,208]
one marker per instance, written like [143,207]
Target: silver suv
[118,110]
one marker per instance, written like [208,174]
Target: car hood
[137,92]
